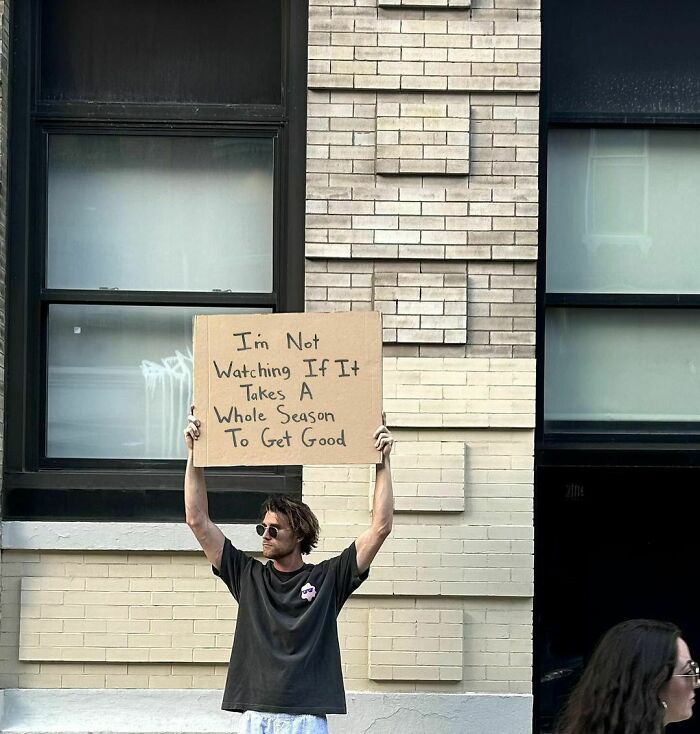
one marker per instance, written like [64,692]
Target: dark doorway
[612,544]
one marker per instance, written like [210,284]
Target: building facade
[409,133]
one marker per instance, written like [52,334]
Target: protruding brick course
[429,476]
[432,4]
[421,307]
[411,644]
[422,135]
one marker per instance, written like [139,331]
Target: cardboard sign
[296,388]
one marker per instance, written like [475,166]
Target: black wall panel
[217,51]
[622,57]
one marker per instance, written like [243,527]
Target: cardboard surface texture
[296,388]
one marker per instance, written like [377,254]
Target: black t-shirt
[286,656]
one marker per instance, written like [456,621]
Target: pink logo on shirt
[308,592]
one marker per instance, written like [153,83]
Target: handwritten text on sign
[287,388]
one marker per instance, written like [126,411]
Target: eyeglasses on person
[272,530]
[693,674]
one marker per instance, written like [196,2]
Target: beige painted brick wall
[114,586]
[495,645]
[494,632]
[454,392]
[416,644]
[485,550]
[128,618]
[429,476]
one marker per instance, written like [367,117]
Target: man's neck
[287,564]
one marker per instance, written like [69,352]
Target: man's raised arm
[207,533]
[368,544]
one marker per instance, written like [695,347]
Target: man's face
[285,542]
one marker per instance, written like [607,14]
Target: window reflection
[617,190]
[619,365]
[160,213]
[119,380]
[622,214]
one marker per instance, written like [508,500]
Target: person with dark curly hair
[639,679]
[285,673]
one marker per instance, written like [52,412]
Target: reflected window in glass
[160,213]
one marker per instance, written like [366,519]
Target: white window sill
[114,536]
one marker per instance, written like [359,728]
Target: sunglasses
[272,530]
[693,673]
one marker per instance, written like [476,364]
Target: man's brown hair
[302,520]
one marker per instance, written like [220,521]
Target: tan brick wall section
[500,302]
[495,638]
[128,618]
[126,575]
[422,134]
[451,392]
[416,644]
[484,551]
[429,476]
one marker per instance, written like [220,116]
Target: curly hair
[302,520]
[619,690]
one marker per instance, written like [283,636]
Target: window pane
[216,51]
[609,365]
[160,213]
[622,212]
[119,380]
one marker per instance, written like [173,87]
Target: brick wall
[422,204]
[112,620]
[116,620]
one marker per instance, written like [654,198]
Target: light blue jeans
[257,722]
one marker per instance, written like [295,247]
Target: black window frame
[36,487]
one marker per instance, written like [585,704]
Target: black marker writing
[301,343]
[236,441]
[354,368]
[312,367]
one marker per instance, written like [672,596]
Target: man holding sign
[285,672]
